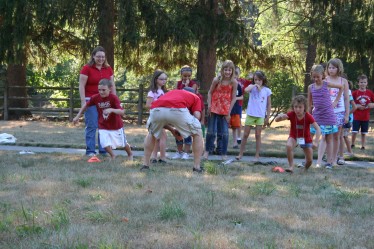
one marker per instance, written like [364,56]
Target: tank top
[221,99]
[333,94]
[323,112]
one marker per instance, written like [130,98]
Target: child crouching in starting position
[109,108]
[300,131]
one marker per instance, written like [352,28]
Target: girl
[186,73]
[157,89]
[323,111]
[258,111]
[300,131]
[221,99]
[334,72]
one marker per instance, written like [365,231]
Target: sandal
[153,160]
[161,161]
[289,170]
[340,161]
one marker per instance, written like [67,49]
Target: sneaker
[201,170]
[91,154]
[328,166]
[162,161]
[324,158]
[185,156]
[340,161]
[362,148]
[153,160]
[318,166]
[178,155]
[144,167]
[301,165]
[238,141]
[235,147]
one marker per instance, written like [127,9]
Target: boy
[109,108]
[364,100]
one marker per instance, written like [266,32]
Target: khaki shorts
[112,138]
[253,121]
[180,118]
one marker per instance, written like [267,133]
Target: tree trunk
[16,76]
[206,62]
[309,62]
[106,28]
[207,51]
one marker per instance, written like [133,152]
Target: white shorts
[112,138]
[180,118]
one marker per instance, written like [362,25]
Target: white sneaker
[318,166]
[178,155]
[185,156]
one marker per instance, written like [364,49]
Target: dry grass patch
[61,201]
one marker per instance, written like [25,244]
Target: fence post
[6,114]
[71,102]
[140,104]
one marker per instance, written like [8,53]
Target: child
[157,89]
[243,83]
[334,72]
[186,73]
[259,104]
[221,99]
[364,99]
[111,130]
[347,126]
[323,111]
[300,131]
[236,114]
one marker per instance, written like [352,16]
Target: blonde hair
[227,64]
[336,63]
[317,69]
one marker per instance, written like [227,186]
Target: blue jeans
[217,124]
[91,119]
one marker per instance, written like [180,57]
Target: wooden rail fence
[133,106]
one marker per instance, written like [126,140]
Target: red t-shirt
[362,98]
[94,76]
[112,121]
[178,99]
[181,86]
[243,83]
[301,126]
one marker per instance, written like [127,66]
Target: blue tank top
[323,112]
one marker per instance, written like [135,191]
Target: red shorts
[235,121]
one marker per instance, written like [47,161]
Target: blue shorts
[325,129]
[307,145]
[364,125]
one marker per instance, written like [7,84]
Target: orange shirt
[221,99]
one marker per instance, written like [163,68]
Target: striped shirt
[323,112]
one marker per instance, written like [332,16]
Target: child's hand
[315,145]
[228,117]
[107,111]
[75,120]
[186,82]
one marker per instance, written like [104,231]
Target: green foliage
[283,87]
[262,188]
[84,182]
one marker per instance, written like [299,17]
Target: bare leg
[308,152]
[329,148]
[149,144]
[197,147]
[155,149]
[187,148]
[234,136]
[291,143]
[354,135]
[363,140]
[258,141]
[341,145]
[335,145]
[321,150]
[162,145]
[129,152]
[347,144]
[247,131]
[109,150]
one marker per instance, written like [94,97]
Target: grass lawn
[65,134]
[61,201]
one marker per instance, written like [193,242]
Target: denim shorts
[307,145]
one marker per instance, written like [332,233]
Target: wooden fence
[133,106]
